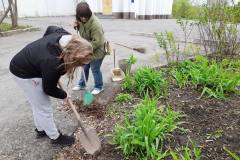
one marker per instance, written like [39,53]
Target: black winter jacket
[40,59]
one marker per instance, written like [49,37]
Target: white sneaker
[96,91]
[78,87]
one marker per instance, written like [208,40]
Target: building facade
[127,9]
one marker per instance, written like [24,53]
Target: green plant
[233,64]
[128,83]
[113,110]
[123,97]
[132,59]
[233,155]
[186,153]
[211,77]
[149,80]
[143,133]
[167,41]
[215,135]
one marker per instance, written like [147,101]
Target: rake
[140,49]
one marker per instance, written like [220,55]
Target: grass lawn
[7,27]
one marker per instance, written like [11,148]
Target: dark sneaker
[63,140]
[40,134]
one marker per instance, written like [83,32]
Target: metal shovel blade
[91,142]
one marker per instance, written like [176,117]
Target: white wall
[35,8]
[95,5]
[117,6]
[154,7]
[32,8]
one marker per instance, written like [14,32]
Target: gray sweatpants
[41,105]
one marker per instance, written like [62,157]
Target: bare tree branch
[4,9]
[5,14]
[12,7]
[233,3]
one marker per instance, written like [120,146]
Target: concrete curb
[16,31]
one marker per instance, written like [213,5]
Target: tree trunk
[15,14]
[5,14]
[13,10]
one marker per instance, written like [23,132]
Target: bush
[144,132]
[166,40]
[218,29]
[184,9]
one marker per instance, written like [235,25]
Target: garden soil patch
[212,124]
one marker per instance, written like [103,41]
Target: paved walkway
[17,139]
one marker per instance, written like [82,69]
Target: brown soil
[203,118]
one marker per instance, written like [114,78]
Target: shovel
[89,139]
[117,73]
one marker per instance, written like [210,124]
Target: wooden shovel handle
[69,101]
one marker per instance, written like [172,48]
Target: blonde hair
[76,53]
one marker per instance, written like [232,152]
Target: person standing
[90,28]
[37,69]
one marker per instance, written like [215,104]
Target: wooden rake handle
[124,46]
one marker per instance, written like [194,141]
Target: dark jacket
[40,59]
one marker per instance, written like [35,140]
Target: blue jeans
[97,74]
